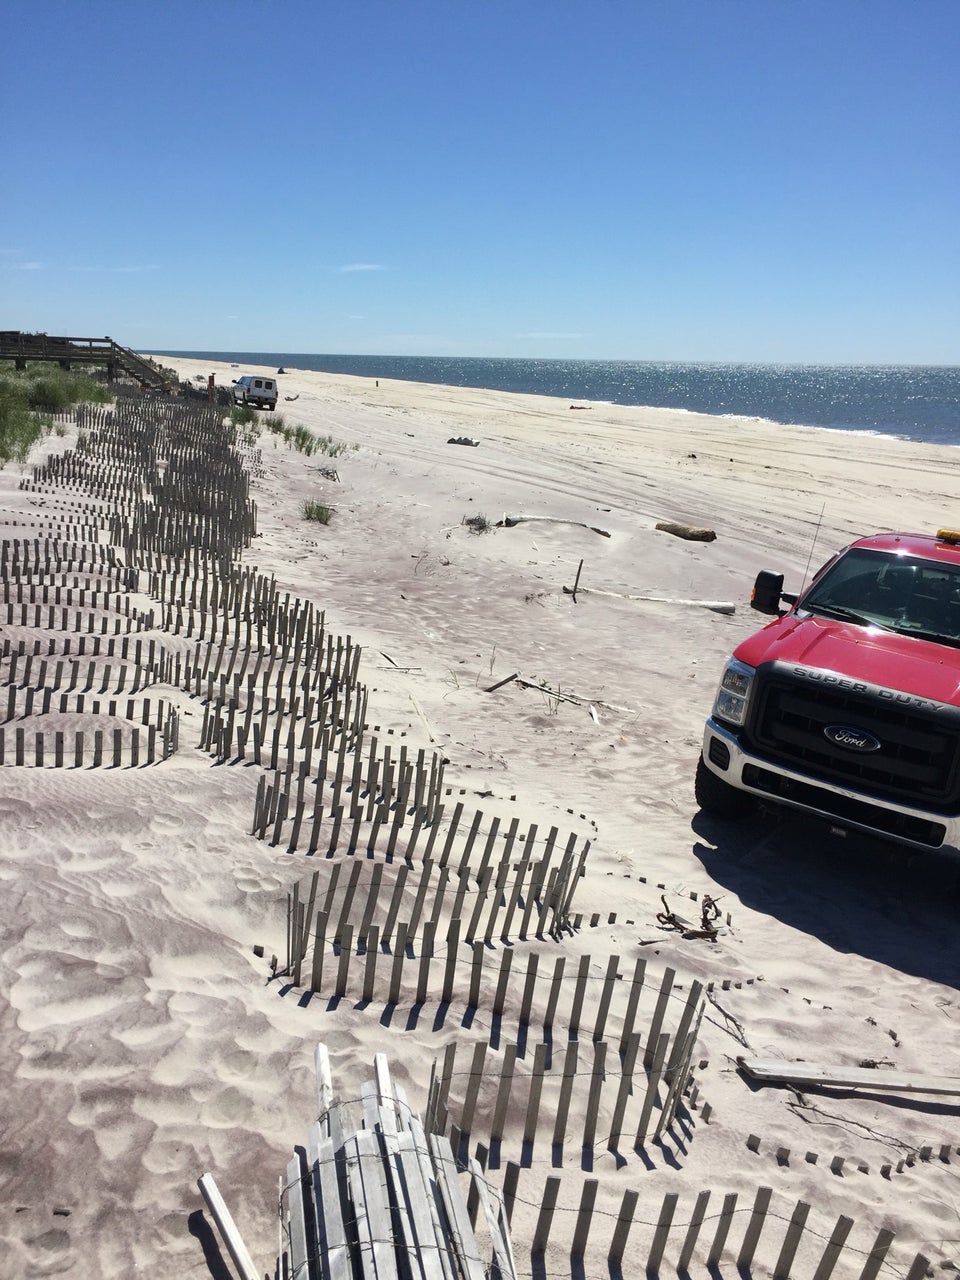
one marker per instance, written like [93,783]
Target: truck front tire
[718,797]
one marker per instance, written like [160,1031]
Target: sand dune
[143,1041]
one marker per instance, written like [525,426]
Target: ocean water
[916,402]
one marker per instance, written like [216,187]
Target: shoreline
[144,1038]
[914,432]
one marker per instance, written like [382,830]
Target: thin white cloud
[28,266]
[362,266]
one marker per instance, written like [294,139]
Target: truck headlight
[733,694]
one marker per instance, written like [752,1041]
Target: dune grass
[302,439]
[317,512]
[29,397]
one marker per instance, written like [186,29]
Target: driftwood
[575,698]
[717,606]
[688,531]
[501,683]
[508,522]
[807,1074]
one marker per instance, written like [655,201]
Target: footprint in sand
[227,1108]
[48,1242]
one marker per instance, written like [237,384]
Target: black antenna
[816,534]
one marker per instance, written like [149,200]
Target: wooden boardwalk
[67,352]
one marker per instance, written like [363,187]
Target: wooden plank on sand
[775,1071]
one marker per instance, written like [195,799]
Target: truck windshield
[901,593]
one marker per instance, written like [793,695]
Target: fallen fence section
[382,1200]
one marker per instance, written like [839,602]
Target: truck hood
[868,654]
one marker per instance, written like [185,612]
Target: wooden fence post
[566,1089]
[346,955]
[426,955]
[583,972]
[628,1207]
[372,944]
[791,1240]
[476,973]
[588,1198]
[665,1221]
[473,1087]
[831,1254]
[723,1227]
[449,969]
[536,1089]
[319,946]
[499,999]
[877,1254]
[550,1012]
[606,995]
[653,1083]
[548,1204]
[397,970]
[653,1034]
[593,1100]
[751,1236]
[503,1092]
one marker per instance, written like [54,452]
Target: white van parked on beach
[259,391]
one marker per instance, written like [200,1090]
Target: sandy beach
[144,1042]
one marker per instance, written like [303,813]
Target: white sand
[142,1043]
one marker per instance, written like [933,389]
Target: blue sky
[683,179]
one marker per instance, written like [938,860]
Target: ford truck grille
[918,758]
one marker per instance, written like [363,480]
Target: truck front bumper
[724,755]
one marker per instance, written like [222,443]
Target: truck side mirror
[767,590]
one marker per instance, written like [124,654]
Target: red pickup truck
[847,706]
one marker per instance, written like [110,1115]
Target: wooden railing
[67,351]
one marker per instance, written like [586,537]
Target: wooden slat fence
[708,1234]
[512,891]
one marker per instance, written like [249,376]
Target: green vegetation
[28,399]
[242,415]
[303,440]
[327,444]
[317,512]
[246,422]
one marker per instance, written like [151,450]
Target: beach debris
[501,683]
[541,686]
[716,606]
[477,524]
[689,531]
[777,1071]
[463,440]
[508,522]
[581,406]
[419,710]
[576,582]
[383,1199]
[290,399]
[709,914]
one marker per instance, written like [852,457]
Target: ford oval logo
[853,739]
